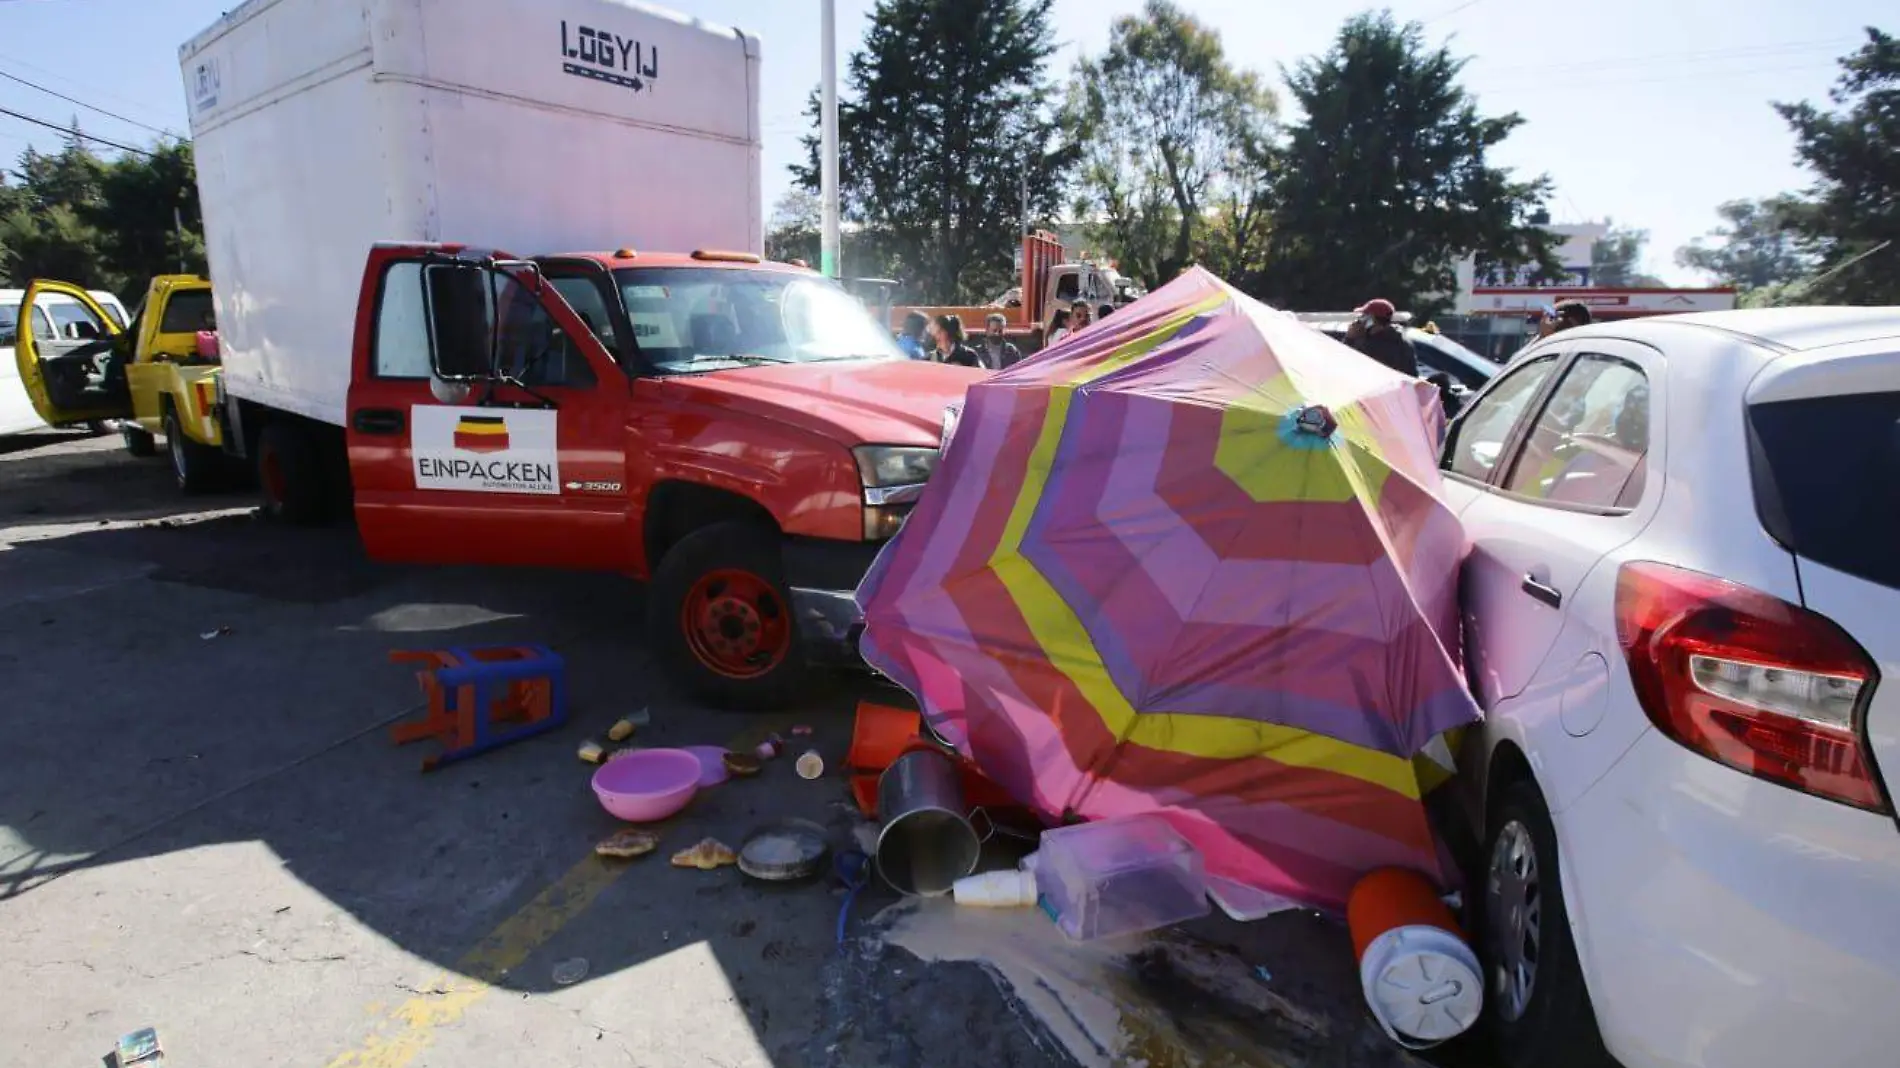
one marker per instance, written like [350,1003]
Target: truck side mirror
[461,331]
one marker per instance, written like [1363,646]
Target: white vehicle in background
[60,324]
[1683,620]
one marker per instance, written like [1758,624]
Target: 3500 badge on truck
[485,450]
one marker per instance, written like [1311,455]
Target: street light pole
[828,150]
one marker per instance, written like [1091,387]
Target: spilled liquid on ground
[1160,1001]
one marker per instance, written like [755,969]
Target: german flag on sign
[481,433]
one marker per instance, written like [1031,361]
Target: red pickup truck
[741,433]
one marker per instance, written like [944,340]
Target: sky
[1648,112]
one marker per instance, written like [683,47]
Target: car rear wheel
[1538,1007]
[195,467]
[720,616]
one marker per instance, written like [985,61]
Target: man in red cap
[1374,335]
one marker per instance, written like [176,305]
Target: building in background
[1490,312]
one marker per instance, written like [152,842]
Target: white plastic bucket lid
[1422,983]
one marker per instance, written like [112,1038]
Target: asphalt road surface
[204,827]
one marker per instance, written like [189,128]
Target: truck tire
[196,468]
[290,473]
[720,617]
[138,441]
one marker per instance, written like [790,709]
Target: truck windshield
[693,319]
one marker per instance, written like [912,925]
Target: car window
[1825,473]
[583,294]
[532,349]
[76,322]
[187,312]
[1067,287]
[401,346]
[690,320]
[1477,440]
[1590,444]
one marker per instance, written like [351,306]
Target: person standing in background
[997,352]
[910,339]
[1058,326]
[1375,337]
[947,333]
[1572,313]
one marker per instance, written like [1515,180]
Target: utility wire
[92,90]
[76,133]
[1449,12]
[89,107]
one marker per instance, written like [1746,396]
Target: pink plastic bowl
[648,785]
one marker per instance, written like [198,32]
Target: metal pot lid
[783,852]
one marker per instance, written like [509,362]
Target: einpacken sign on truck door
[324,126]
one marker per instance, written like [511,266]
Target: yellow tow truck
[157,377]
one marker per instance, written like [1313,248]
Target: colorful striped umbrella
[1193,560]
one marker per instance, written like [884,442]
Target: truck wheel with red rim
[721,619]
[290,473]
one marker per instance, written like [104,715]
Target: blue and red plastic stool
[481,699]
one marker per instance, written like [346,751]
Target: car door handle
[1543,592]
[377,421]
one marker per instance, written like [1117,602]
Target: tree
[47,231]
[1175,147]
[1853,207]
[142,202]
[53,242]
[945,135]
[1616,257]
[104,224]
[1757,249]
[1385,182]
[67,178]
[793,232]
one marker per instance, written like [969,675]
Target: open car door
[75,376]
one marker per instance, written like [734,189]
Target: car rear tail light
[1749,680]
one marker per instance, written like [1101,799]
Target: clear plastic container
[1119,876]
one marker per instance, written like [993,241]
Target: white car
[56,319]
[1683,620]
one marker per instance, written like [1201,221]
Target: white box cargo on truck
[324,126]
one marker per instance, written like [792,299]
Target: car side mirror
[462,338]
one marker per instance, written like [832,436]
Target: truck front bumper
[823,577]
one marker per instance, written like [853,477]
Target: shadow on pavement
[53,480]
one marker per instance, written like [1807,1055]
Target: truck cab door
[530,471]
[78,374]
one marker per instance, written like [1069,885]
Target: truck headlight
[894,465]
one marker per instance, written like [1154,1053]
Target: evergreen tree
[1386,180]
[945,128]
[1853,208]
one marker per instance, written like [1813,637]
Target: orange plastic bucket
[880,735]
[1420,978]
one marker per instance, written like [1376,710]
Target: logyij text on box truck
[740,432]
